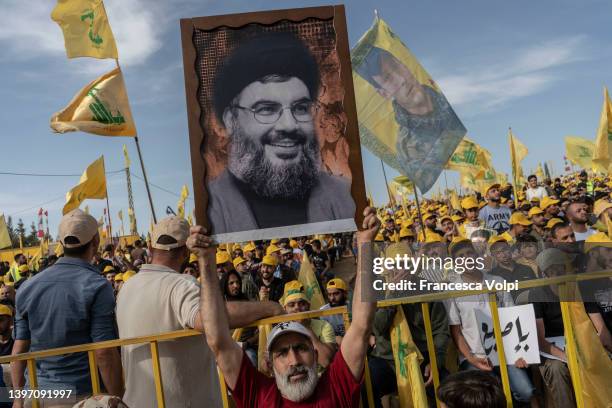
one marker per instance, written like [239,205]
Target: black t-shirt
[546,306]
[319,259]
[7,348]
[600,292]
[276,288]
[519,272]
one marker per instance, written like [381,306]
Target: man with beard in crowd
[291,354]
[337,293]
[266,96]
[519,225]
[495,215]
[577,215]
[270,287]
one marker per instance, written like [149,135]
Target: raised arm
[355,343]
[214,318]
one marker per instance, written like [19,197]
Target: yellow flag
[454,200]
[181,202]
[5,238]
[518,151]
[410,387]
[311,285]
[595,367]
[539,172]
[87,32]
[91,185]
[190,220]
[58,250]
[602,155]
[132,217]
[580,151]
[101,108]
[126,157]
[470,157]
[264,331]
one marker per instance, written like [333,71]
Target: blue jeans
[520,385]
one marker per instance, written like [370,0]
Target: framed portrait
[272,124]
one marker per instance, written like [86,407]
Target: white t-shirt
[158,300]
[539,192]
[461,312]
[581,236]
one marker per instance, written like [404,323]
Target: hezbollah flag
[181,202]
[518,151]
[404,118]
[469,157]
[101,108]
[602,155]
[311,285]
[91,185]
[595,367]
[410,386]
[580,151]
[87,32]
[5,238]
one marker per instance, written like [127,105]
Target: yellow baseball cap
[599,239]
[193,258]
[236,247]
[431,237]
[519,218]
[494,185]
[446,217]
[406,232]
[294,291]
[249,247]
[222,257]
[108,268]
[5,310]
[118,277]
[272,248]
[293,244]
[469,202]
[238,260]
[552,222]
[269,260]
[337,283]
[601,206]
[547,202]
[456,241]
[457,218]
[128,274]
[496,238]
[535,211]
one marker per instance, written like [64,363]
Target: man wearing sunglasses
[265,97]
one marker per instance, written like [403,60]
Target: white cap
[285,328]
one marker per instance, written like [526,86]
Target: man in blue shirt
[67,304]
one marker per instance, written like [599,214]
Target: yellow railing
[154,340]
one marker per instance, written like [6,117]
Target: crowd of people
[180,279]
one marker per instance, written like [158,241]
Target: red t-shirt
[337,388]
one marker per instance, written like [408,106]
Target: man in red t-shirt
[291,354]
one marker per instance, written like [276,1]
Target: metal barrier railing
[154,340]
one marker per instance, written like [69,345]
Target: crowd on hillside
[95,292]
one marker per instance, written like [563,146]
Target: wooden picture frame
[206,45]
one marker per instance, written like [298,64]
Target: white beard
[297,391]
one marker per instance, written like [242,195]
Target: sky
[539,67]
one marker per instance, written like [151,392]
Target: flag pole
[110,225]
[386,182]
[418,206]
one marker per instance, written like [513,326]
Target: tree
[32,238]
[11,231]
[20,232]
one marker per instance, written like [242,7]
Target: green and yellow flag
[101,108]
[132,218]
[469,157]
[518,151]
[91,185]
[404,118]
[580,151]
[87,32]
[311,285]
[410,386]
[602,155]
[181,202]
[5,238]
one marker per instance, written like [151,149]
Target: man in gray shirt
[495,216]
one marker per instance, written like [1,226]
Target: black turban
[268,54]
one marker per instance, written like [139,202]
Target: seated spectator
[249,288]
[471,389]
[291,352]
[224,264]
[506,267]
[466,332]
[337,293]
[231,285]
[528,249]
[549,322]
[323,339]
